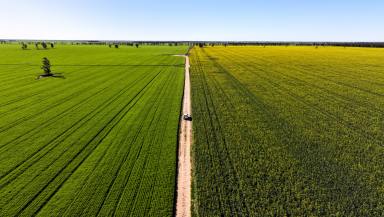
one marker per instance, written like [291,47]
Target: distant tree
[24,46]
[44,45]
[137,45]
[37,45]
[116,46]
[46,67]
[52,45]
[109,45]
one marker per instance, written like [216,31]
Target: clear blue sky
[251,20]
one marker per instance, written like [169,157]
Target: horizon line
[186,41]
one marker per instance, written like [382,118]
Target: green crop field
[278,131]
[288,131]
[100,139]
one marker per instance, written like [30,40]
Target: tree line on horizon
[116,44]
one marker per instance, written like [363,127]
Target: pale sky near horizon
[225,20]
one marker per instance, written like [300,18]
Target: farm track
[108,138]
[184,182]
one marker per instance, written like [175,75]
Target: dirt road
[183,203]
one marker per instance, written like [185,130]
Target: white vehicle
[187,117]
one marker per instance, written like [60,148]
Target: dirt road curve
[183,203]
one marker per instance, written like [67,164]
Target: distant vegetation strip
[195,43]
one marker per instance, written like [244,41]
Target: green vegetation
[24,46]
[278,131]
[288,131]
[46,67]
[100,142]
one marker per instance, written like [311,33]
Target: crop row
[272,137]
[105,145]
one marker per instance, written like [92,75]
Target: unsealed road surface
[183,203]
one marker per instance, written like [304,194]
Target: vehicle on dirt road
[187,117]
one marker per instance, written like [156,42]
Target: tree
[137,45]
[46,67]
[37,46]
[44,45]
[52,45]
[116,46]
[109,45]
[24,46]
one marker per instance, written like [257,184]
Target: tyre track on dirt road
[183,203]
